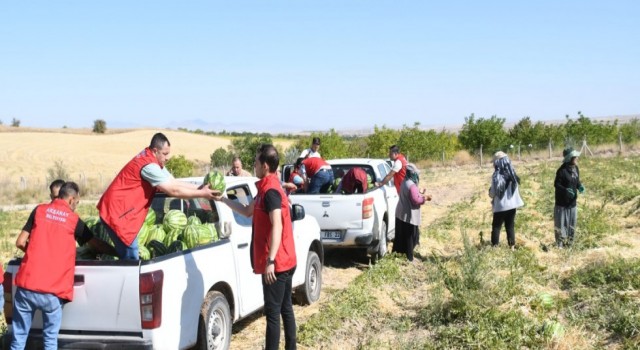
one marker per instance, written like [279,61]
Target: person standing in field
[505,199]
[273,252]
[54,188]
[313,151]
[398,168]
[408,213]
[45,279]
[567,186]
[236,168]
[124,205]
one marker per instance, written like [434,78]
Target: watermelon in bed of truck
[185,299]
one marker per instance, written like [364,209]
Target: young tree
[220,157]
[489,133]
[15,123]
[379,142]
[246,147]
[179,166]
[99,126]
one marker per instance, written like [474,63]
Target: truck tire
[309,292]
[214,329]
[382,244]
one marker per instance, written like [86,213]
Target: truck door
[250,284]
[391,196]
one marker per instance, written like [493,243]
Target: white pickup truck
[186,299]
[364,220]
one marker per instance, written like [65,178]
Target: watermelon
[171,236]
[215,180]
[85,252]
[212,232]
[143,234]
[545,300]
[91,221]
[156,232]
[193,220]
[144,253]
[100,232]
[176,246]
[190,235]
[174,220]
[156,248]
[151,218]
[553,329]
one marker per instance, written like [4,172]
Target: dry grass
[88,158]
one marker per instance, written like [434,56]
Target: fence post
[519,159]
[549,148]
[23,183]
[620,143]
[443,156]
[481,156]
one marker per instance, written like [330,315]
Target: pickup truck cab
[186,299]
[361,220]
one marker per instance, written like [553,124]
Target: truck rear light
[367,208]
[151,299]
[8,298]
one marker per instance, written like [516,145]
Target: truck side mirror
[297,212]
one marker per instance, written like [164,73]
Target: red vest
[124,205]
[398,177]
[313,164]
[50,260]
[286,256]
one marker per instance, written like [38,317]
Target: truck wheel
[382,244]
[309,292]
[214,329]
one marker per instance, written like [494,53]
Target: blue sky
[315,64]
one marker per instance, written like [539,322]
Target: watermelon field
[461,293]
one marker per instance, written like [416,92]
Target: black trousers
[508,218]
[277,302]
[407,238]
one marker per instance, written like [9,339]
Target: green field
[464,294]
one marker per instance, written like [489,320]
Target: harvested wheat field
[30,154]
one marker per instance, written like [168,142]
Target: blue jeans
[125,252]
[25,305]
[321,181]
[277,302]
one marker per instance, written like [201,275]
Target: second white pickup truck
[186,299]
[364,220]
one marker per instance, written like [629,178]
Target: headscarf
[504,175]
[413,173]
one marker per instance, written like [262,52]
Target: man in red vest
[273,253]
[319,173]
[45,279]
[124,205]
[398,168]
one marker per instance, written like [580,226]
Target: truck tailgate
[96,286]
[333,212]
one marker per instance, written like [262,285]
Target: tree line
[488,134]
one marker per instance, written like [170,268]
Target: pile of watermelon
[175,233]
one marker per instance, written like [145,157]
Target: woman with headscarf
[505,199]
[408,213]
[567,185]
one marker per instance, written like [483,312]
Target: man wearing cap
[567,185]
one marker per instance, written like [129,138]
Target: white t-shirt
[397,165]
[310,152]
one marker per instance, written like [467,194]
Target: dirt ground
[342,267]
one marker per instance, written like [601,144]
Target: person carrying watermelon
[273,253]
[124,205]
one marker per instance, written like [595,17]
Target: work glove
[571,192]
[581,189]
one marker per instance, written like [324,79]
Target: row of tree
[488,134]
